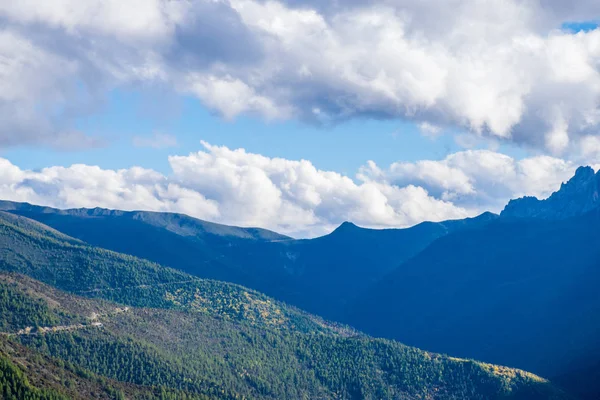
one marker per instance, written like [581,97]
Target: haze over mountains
[519,289]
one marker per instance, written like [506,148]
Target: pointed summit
[346,226]
[575,197]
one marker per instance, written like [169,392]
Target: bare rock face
[578,196]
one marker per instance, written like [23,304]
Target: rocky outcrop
[576,197]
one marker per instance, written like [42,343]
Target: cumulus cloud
[293,196]
[480,179]
[233,187]
[495,68]
[31,104]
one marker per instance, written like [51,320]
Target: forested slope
[203,355]
[207,338]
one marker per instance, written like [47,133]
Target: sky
[297,115]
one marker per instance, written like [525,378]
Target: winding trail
[137,286]
[30,330]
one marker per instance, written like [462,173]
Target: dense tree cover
[121,359]
[206,338]
[27,374]
[99,273]
[15,386]
[74,267]
[250,363]
[18,310]
[199,354]
[124,359]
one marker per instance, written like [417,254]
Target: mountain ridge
[305,273]
[176,222]
[577,196]
[207,340]
[349,226]
[518,291]
[491,287]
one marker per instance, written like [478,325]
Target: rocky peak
[575,197]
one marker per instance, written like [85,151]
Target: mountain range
[520,291]
[79,322]
[321,275]
[516,289]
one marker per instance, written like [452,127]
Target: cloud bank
[498,68]
[242,188]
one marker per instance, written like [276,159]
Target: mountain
[518,291]
[29,248]
[327,273]
[576,197]
[173,336]
[186,243]
[100,218]
[320,275]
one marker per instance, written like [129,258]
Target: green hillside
[92,272]
[200,354]
[205,338]
[26,374]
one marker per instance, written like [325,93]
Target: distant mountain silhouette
[320,275]
[176,240]
[328,272]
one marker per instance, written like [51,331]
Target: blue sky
[401,111]
[583,26]
[343,147]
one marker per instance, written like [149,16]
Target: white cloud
[232,187]
[134,18]
[24,68]
[240,188]
[428,129]
[232,96]
[590,147]
[156,141]
[480,179]
[496,68]
[293,195]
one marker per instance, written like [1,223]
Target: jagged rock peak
[575,197]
